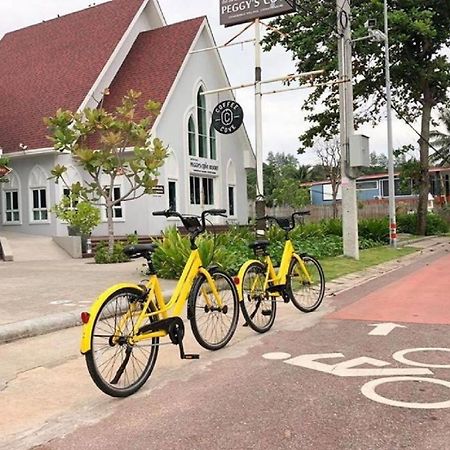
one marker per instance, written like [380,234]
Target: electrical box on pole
[359,151]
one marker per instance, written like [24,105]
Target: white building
[123,44]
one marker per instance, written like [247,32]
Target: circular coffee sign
[227,117]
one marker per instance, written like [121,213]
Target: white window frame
[39,209]
[12,211]
[115,207]
[367,181]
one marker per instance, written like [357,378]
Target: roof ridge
[63,16]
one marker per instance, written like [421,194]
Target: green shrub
[102,255]
[332,227]
[407,223]
[376,230]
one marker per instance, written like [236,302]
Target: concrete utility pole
[348,184]
[260,206]
[392,217]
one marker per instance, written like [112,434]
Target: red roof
[153,63]
[54,64]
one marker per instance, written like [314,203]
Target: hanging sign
[234,12]
[158,189]
[5,170]
[227,117]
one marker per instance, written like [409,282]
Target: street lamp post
[392,216]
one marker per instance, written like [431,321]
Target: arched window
[212,142]
[191,137]
[11,199]
[202,125]
[38,195]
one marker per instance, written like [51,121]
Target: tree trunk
[109,213]
[424,179]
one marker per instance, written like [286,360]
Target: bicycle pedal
[267,312]
[191,356]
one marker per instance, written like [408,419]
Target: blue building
[376,187]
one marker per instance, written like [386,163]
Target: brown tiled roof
[153,63]
[54,64]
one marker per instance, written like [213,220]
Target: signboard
[204,166]
[158,189]
[227,117]
[233,12]
[4,170]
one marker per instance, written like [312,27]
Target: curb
[46,324]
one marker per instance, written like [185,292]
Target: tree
[441,141]
[109,147]
[282,175]
[419,37]
[4,161]
[329,154]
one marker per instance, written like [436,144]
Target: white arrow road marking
[347,368]
[383,329]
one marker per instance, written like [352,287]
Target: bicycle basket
[191,224]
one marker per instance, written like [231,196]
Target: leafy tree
[109,147]
[441,141]
[420,70]
[329,154]
[4,161]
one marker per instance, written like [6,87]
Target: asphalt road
[334,379]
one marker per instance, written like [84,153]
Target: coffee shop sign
[202,166]
[233,12]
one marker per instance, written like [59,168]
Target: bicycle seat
[259,245]
[138,250]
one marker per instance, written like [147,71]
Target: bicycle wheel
[117,366]
[306,295]
[213,325]
[258,307]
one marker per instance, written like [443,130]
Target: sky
[283,120]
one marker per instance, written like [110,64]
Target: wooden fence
[366,210]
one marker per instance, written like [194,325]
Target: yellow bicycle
[121,332]
[300,278]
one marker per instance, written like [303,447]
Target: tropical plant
[110,147]
[82,216]
[441,141]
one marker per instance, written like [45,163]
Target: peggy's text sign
[233,12]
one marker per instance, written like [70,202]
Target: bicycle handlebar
[185,219]
[291,221]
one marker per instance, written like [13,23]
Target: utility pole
[260,206]
[391,174]
[348,182]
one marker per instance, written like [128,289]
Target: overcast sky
[283,119]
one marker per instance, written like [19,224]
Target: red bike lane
[370,370]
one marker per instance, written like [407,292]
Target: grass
[340,266]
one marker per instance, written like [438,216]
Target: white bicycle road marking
[346,368]
[400,357]
[383,329]
[390,375]
[369,391]
[277,355]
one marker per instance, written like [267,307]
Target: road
[333,379]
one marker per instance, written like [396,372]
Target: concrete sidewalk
[38,297]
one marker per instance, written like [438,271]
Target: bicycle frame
[160,308]
[274,278]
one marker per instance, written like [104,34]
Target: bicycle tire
[114,380]
[217,320]
[258,308]
[305,296]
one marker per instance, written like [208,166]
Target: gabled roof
[54,64]
[153,63]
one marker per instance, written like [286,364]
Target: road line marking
[400,357]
